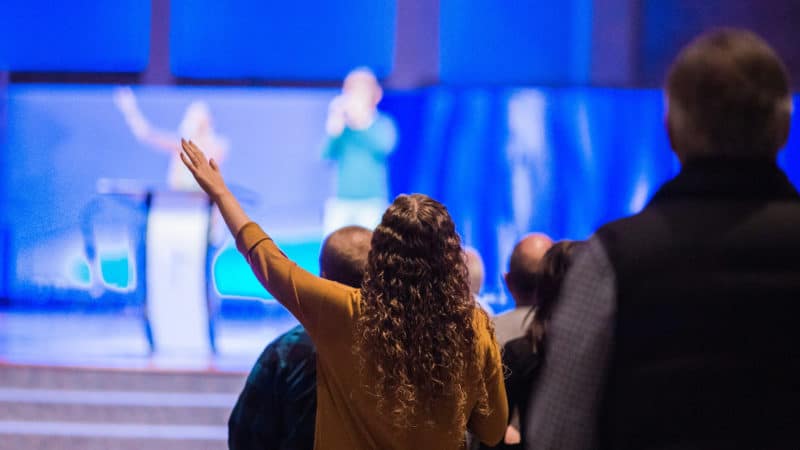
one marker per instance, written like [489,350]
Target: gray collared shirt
[512,324]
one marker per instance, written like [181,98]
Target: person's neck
[706,160]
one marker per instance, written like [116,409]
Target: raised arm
[140,126]
[334,127]
[382,135]
[320,305]
[387,140]
[208,176]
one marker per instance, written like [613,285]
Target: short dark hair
[344,255]
[523,271]
[729,95]
[522,276]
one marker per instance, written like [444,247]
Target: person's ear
[783,125]
[508,282]
[672,136]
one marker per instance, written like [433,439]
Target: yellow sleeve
[491,428]
[319,304]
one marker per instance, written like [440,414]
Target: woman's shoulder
[342,297]
[484,331]
[482,322]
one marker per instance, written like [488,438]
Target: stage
[71,380]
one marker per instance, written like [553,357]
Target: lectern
[174,271]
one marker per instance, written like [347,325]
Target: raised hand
[336,117]
[126,102]
[206,172]
[124,99]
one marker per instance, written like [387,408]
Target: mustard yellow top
[347,416]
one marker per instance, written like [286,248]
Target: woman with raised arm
[406,362]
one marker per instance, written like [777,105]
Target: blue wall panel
[74,36]
[666,26]
[515,42]
[283,40]
[5,259]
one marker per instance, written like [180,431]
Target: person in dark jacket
[523,355]
[677,327]
[277,408]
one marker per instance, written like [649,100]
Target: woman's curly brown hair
[415,337]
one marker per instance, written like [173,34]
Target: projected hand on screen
[126,102]
[196,124]
[336,117]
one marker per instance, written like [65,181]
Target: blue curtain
[511,161]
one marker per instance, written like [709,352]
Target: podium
[176,253]
[175,267]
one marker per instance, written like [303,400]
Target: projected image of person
[176,230]
[196,124]
[360,138]
[530,164]
[529,159]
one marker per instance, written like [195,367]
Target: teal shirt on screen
[360,156]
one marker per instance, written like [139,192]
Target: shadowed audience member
[477,274]
[677,327]
[277,408]
[521,280]
[524,355]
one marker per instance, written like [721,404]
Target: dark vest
[707,338]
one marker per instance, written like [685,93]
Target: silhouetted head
[344,255]
[362,85]
[475,270]
[416,335]
[524,267]
[728,95]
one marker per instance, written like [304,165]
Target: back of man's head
[728,96]
[524,267]
[475,270]
[344,255]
